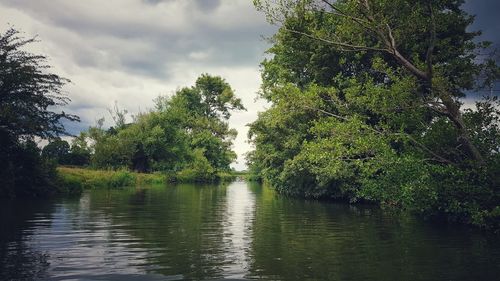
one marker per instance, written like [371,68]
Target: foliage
[186,135]
[57,150]
[62,153]
[366,105]
[87,178]
[29,93]
[69,183]
[199,170]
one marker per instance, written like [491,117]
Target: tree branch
[409,137]
[352,47]
[432,43]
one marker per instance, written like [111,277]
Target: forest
[380,102]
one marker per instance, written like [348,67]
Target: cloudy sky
[130,51]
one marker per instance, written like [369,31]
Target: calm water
[238,231]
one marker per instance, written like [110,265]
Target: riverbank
[74,180]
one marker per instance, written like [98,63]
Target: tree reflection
[181,226]
[298,240]
[19,258]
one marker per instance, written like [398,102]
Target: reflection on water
[238,231]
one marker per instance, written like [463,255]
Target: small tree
[57,150]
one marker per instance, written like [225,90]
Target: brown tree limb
[409,137]
[432,43]
[352,47]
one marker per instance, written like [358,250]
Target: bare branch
[327,113]
[432,43]
[409,137]
[351,47]
[391,37]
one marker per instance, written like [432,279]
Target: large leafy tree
[29,96]
[205,108]
[187,131]
[28,92]
[366,103]
[426,40]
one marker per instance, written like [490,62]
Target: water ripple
[235,232]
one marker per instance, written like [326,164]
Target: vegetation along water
[376,158]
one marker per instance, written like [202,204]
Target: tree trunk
[455,116]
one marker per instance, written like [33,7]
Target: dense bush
[186,135]
[363,111]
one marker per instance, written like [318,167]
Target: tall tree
[205,108]
[428,39]
[367,105]
[28,92]
[29,95]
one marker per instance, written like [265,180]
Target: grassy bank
[79,178]
[73,180]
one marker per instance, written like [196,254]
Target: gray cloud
[486,20]
[131,51]
[149,45]
[204,4]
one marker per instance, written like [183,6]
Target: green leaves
[365,105]
[28,92]
[29,99]
[186,133]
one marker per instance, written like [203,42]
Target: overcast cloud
[131,51]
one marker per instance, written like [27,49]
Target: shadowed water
[236,231]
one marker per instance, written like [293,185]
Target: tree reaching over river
[29,97]
[367,104]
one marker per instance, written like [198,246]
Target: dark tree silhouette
[29,94]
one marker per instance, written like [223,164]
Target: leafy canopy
[366,105]
[28,93]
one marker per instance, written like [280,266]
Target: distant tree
[186,132]
[29,93]
[57,150]
[80,152]
[205,109]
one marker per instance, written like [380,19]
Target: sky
[130,51]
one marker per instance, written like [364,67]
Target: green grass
[86,178]
[246,175]
[74,180]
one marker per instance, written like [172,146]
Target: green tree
[29,92]
[58,150]
[203,111]
[366,104]
[186,133]
[80,152]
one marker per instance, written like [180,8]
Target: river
[235,231]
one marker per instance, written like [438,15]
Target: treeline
[186,136]
[367,105]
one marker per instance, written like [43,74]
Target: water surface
[235,231]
